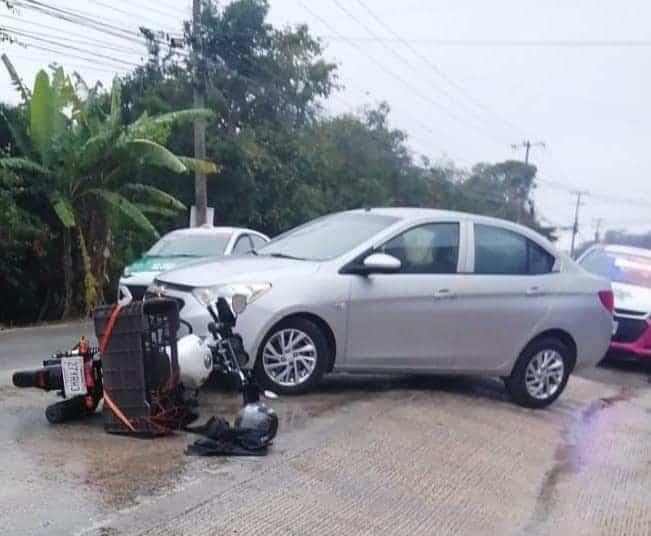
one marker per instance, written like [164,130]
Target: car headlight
[252,291]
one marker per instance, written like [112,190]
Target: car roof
[209,231]
[627,250]
[415,214]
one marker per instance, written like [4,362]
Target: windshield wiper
[285,256]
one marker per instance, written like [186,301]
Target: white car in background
[629,270]
[407,291]
[185,246]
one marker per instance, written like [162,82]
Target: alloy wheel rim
[544,374]
[289,357]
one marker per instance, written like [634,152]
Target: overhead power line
[506,43]
[87,40]
[87,20]
[401,79]
[91,60]
[436,69]
[67,46]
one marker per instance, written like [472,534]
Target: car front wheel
[540,374]
[292,357]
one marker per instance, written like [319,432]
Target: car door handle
[534,291]
[444,294]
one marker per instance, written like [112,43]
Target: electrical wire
[93,61]
[95,42]
[415,90]
[67,46]
[38,59]
[83,20]
[437,71]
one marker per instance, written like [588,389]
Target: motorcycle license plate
[74,380]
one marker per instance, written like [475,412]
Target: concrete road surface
[363,455]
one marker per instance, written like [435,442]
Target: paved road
[364,455]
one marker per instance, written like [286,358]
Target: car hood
[229,270]
[632,297]
[162,264]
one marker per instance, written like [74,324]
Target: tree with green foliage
[85,162]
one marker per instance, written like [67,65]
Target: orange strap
[102,347]
[117,411]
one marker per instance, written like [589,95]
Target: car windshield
[620,267]
[328,237]
[186,245]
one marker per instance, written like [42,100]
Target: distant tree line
[90,176]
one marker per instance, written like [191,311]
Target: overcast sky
[473,78]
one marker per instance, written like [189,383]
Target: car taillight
[607,299]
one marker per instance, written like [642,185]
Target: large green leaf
[171,119]
[156,197]
[42,116]
[17,135]
[202,166]
[159,211]
[153,154]
[126,208]
[22,164]
[63,210]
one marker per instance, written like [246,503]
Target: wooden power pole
[575,228]
[200,183]
[527,147]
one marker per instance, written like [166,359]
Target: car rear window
[500,251]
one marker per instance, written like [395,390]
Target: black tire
[323,355]
[516,385]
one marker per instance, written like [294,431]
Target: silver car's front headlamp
[252,291]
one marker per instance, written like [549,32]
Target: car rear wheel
[540,374]
[292,357]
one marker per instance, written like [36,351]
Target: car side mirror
[379,263]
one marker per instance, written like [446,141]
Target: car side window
[428,249]
[243,245]
[258,241]
[502,252]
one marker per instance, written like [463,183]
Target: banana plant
[79,156]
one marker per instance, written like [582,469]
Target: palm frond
[119,203]
[15,79]
[18,164]
[63,210]
[171,119]
[17,136]
[202,166]
[153,154]
[158,211]
[156,197]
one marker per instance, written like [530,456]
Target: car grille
[137,291]
[629,329]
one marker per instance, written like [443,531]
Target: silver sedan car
[408,290]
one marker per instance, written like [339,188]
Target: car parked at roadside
[629,270]
[408,291]
[185,246]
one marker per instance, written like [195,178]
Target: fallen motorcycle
[147,376]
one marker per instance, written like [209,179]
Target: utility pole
[200,183]
[575,228]
[527,147]
[597,233]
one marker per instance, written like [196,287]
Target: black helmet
[256,425]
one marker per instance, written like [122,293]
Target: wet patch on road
[574,454]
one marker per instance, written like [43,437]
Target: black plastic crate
[141,331]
